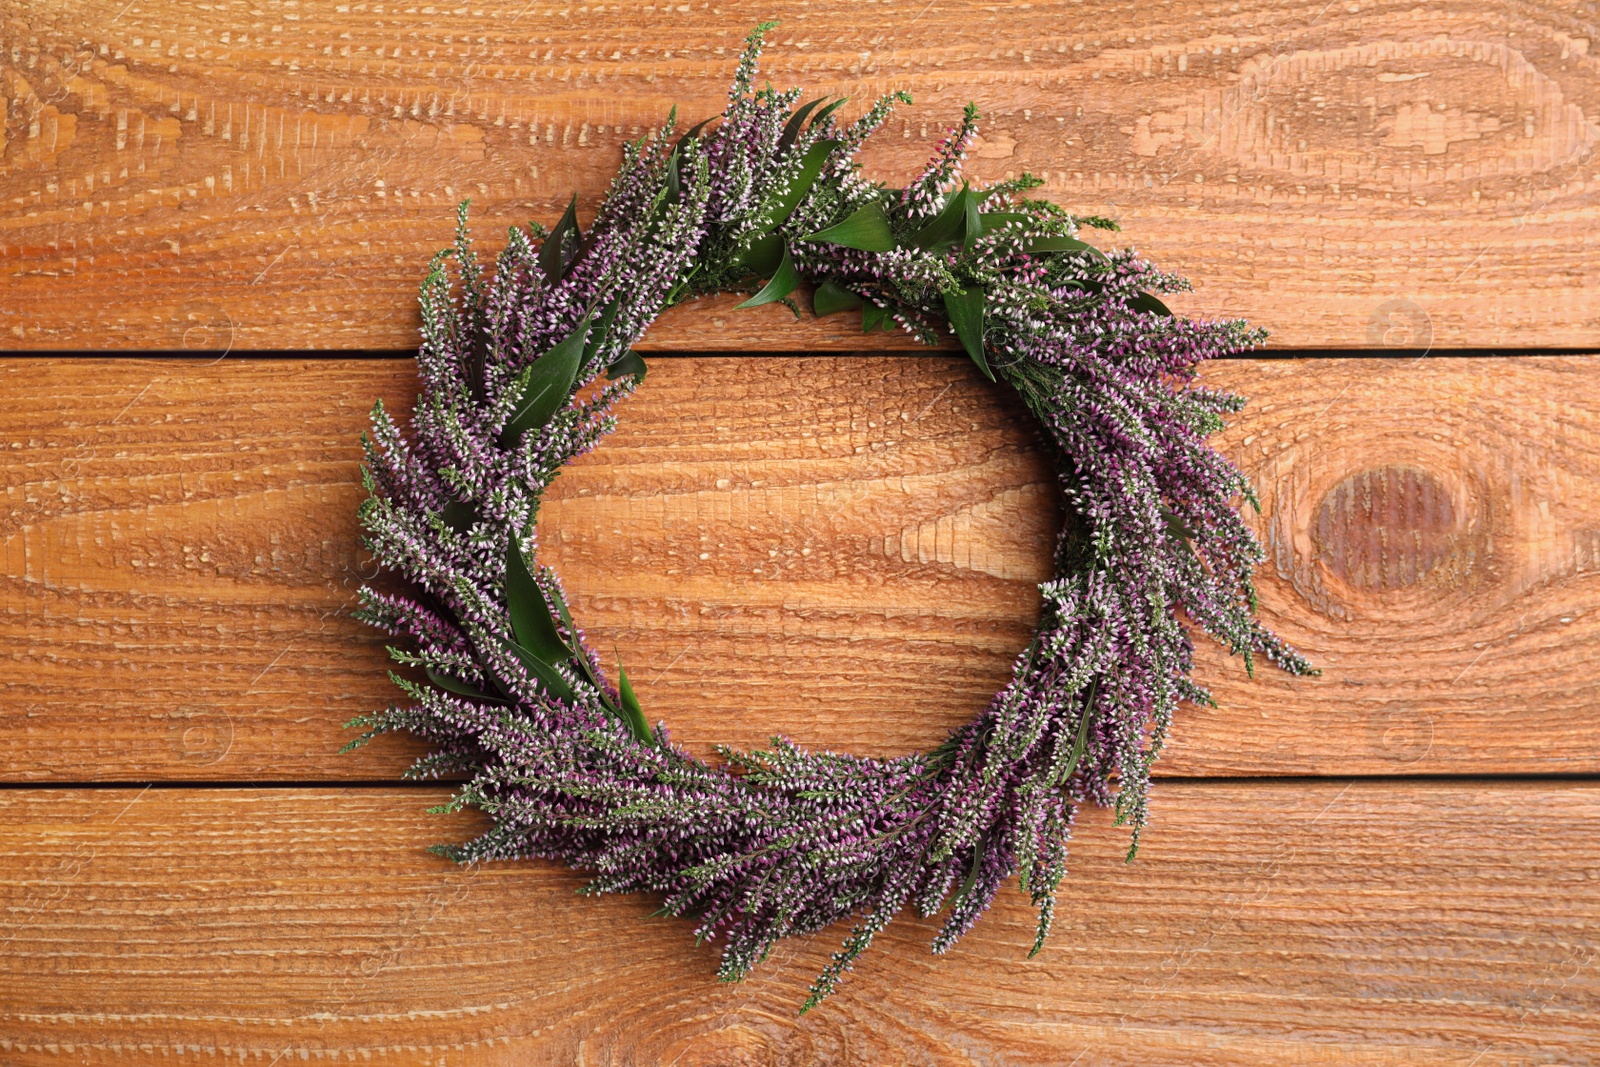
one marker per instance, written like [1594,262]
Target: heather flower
[767,844]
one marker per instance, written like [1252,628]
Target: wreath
[768,844]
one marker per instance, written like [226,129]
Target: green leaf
[1146,302]
[674,179]
[694,132]
[1179,530]
[633,714]
[965,309]
[946,227]
[791,129]
[445,682]
[874,317]
[602,329]
[477,360]
[994,220]
[831,297]
[683,283]
[825,113]
[630,362]
[783,282]
[761,259]
[562,612]
[867,229]
[777,211]
[1082,740]
[553,258]
[530,611]
[974,218]
[971,879]
[1176,526]
[552,682]
[459,516]
[579,657]
[546,385]
[1063,243]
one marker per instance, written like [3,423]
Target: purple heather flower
[783,841]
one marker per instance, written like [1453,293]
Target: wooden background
[213,216]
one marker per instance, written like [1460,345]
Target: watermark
[1255,887]
[418,917]
[1403,735]
[199,734]
[57,883]
[206,327]
[1400,324]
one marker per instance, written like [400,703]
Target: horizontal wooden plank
[1263,924]
[842,550]
[179,174]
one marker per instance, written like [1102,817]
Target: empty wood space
[213,219]
[186,174]
[1373,923]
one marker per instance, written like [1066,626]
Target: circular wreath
[784,841]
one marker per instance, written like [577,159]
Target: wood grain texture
[1289,924]
[187,174]
[841,550]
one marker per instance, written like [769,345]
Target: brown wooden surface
[1294,924]
[187,174]
[842,550]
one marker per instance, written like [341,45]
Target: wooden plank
[1297,924]
[180,174]
[843,550]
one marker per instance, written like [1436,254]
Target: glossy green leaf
[1146,302]
[459,516]
[973,869]
[827,112]
[477,361]
[761,259]
[791,129]
[632,713]
[1082,740]
[1176,526]
[674,179]
[553,255]
[994,220]
[449,684]
[561,610]
[831,297]
[552,682]
[682,284]
[531,620]
[1063,243]
[546,385]
[777,211]
[1180,531]
[630,362]
[580,658]
[946,227]
[974,218]
[599,334]
[867,229]
[783,282]
[965,309]
[694,132]
[874,317]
